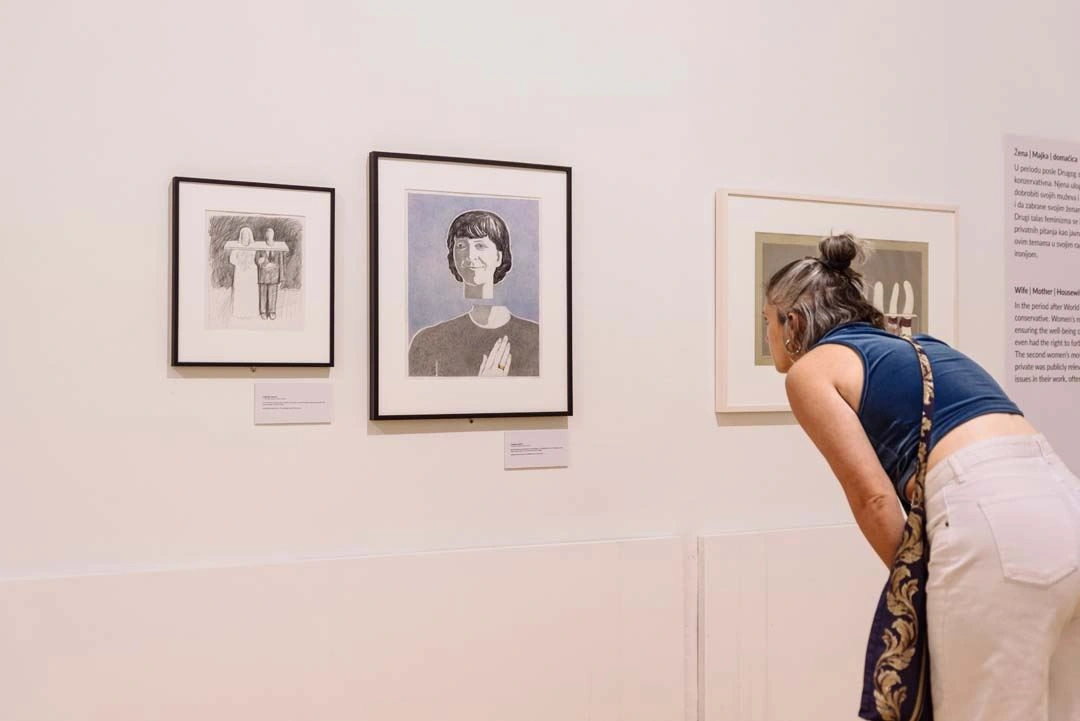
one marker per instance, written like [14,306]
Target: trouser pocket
[1036,536]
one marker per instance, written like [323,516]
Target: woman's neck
[490,316]
[480,292]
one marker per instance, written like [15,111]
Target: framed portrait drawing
[253,274]
[910,276]
[470,288]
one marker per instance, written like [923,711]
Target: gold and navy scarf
[896,679]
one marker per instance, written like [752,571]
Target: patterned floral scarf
[896,679]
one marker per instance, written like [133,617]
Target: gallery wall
[115,463]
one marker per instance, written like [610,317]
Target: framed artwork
[910,276]
[253,274]
[470,288]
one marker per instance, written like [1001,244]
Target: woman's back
[890,406]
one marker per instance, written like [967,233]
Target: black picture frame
[376,412]
[182,241]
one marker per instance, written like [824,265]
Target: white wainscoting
[784,617]
[578,631]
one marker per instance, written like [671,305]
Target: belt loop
[1044,446]
[956,467]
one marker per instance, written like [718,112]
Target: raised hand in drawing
[497,362]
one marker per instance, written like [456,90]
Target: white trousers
[1003,597]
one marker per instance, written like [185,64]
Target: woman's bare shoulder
[828,358]
[829,365]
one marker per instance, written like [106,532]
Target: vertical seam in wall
[621,600]
[695,701]
[765,646]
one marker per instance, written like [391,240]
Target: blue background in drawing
[434,294]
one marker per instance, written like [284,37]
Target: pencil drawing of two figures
[256,271]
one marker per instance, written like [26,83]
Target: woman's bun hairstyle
[838,252]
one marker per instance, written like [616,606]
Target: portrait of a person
[488,340]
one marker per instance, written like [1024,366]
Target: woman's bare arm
[835,429]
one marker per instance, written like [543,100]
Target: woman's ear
[793,321]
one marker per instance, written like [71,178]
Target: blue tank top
[891,404]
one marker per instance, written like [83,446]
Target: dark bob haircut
[478,224]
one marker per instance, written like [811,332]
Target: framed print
[253,274]
[910,276]
[470,288]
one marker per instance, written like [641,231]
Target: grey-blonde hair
[823,292]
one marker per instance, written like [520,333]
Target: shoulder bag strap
[918,495]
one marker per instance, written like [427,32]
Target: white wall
[115,461]
[112,462]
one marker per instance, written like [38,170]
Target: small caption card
[536,449]
[293,403]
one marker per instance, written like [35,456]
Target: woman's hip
[1008,507]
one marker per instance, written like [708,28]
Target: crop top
[891,405]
